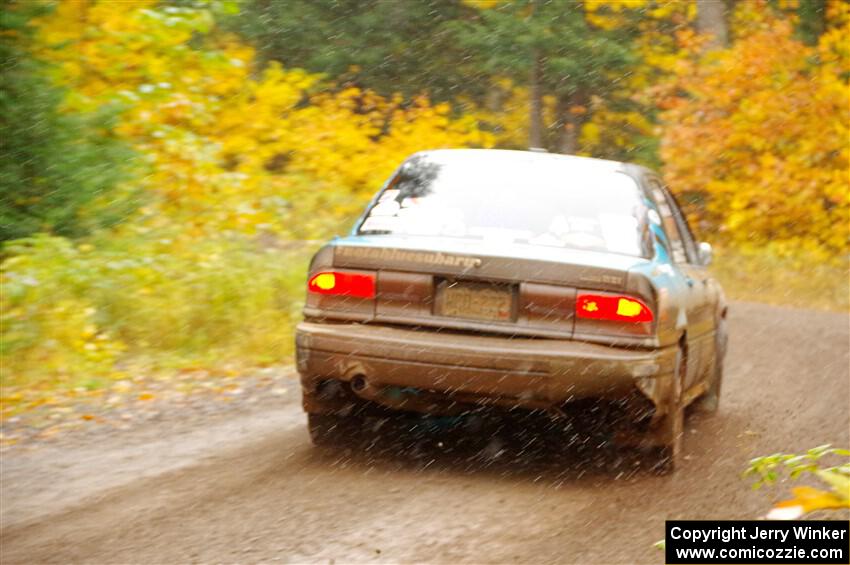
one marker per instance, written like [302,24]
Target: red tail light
[343,284]
[612,307]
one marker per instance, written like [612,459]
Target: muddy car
[523,280]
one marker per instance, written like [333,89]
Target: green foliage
[806,499]
[387,47]
[766,470]
[58,171]
[552,47]
[629,139]
[245,156]
[242,166]
[70,311]
[812,20]
[576,56]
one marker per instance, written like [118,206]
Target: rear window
[530,200]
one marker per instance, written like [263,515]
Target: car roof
[529,157]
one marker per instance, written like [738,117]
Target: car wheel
[710,401]
[672,428]
[330,429]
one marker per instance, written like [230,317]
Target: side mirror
[704,254]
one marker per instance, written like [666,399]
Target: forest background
[168,167]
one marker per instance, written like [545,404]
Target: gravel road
[247,486]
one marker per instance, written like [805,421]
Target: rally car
[515,279]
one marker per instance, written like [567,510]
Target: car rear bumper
[514,372]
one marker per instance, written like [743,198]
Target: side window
[684,228]
[668,221]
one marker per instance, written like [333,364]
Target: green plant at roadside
[835,479]
[76,315]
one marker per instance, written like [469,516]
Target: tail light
[612,307]
[336,283]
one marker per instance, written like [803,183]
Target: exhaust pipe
[359,384]
[365,389]
[392,397]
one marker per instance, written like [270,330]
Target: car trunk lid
[497,287]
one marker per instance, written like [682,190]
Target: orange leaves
[808,499]
[761,132]
[805,501]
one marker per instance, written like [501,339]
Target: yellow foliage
[762,132]
[229,150]
[238,161]
[508,124]
[608,129]
[606,14]
[49,327]
[665,38]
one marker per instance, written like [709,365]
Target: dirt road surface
[247,486]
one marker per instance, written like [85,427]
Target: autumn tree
[760,132]
[624,125]
[306,153]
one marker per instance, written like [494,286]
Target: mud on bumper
[429,371]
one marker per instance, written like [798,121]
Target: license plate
[475,301]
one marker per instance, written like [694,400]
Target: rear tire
[709,403]
[330,429]
[671,430]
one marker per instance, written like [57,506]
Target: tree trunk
[711,21]
[535,118]
[571,114]
[494,99]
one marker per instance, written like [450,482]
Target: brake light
[343,284]
[612,307]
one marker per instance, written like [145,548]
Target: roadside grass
[85,320]
[799,280]
[77,319]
